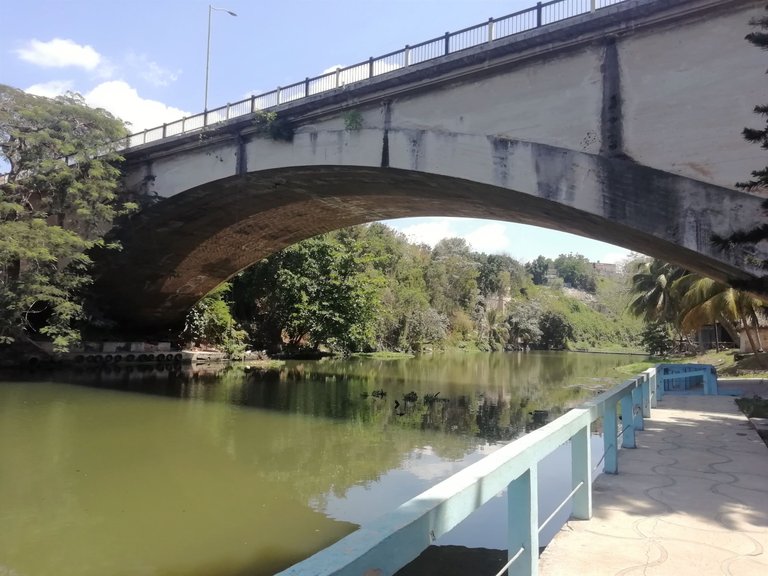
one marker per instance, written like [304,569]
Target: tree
[56,202]
[555,330]
[759,180]
[577,271]
[655,299]
[655,339]
[523,322]
[210,323]
[322,291]
[538,269]
[452,277]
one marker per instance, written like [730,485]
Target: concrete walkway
[691,499]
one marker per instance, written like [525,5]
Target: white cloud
[331,69]
[121,99]
[429,232]
[614,257]
[51,89]
[151,71]
[124,101]
[60,53]
[491,238]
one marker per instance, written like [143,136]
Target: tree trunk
[749,334]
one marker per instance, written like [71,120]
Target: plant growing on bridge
[56,202]
[353,120]
[273,125]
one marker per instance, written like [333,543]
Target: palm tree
[655,298]
[705,301]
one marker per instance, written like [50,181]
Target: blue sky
[144,60]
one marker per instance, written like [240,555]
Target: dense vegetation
[367,288]
[56,202]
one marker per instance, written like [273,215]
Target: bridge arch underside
[181,248]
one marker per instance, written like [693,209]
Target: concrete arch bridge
[622,125]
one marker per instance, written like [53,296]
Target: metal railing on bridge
[393,540]
[542,14]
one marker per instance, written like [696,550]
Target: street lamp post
[208,50]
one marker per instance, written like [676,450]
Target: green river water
[127,472]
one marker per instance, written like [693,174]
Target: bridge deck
[691,499]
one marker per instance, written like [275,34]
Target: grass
[755,407]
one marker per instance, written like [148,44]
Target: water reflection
[110,473]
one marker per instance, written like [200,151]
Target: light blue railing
[393,540]
[486,33]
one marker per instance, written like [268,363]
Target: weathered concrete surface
[691,499]
[184,246]
[622,126]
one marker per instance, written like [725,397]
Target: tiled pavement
[692,498]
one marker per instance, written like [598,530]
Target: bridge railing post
[278,94]
[407,55]
[523,523]
[447,43]
[226,117]
[370,70]
[647,398]
[610,439]
[253,103]
[637,407]
[581,472]
[165,126]
[627,422]
[538,15]
[490,30]
[593,5]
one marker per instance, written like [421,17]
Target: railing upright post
[407,55]
[338,74]
[581,471]
[523,523]
[370,67]
[654,389]
[164,128]
[593,5]
[646,392]
[183,124]
[610,440]
[278,95]
[490,30]
[145,136]
[306,87]
[205,118]
[659,383]
[227,112]
[447,43]
[253,103]
[638,399]
[628,422]
[538,15]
